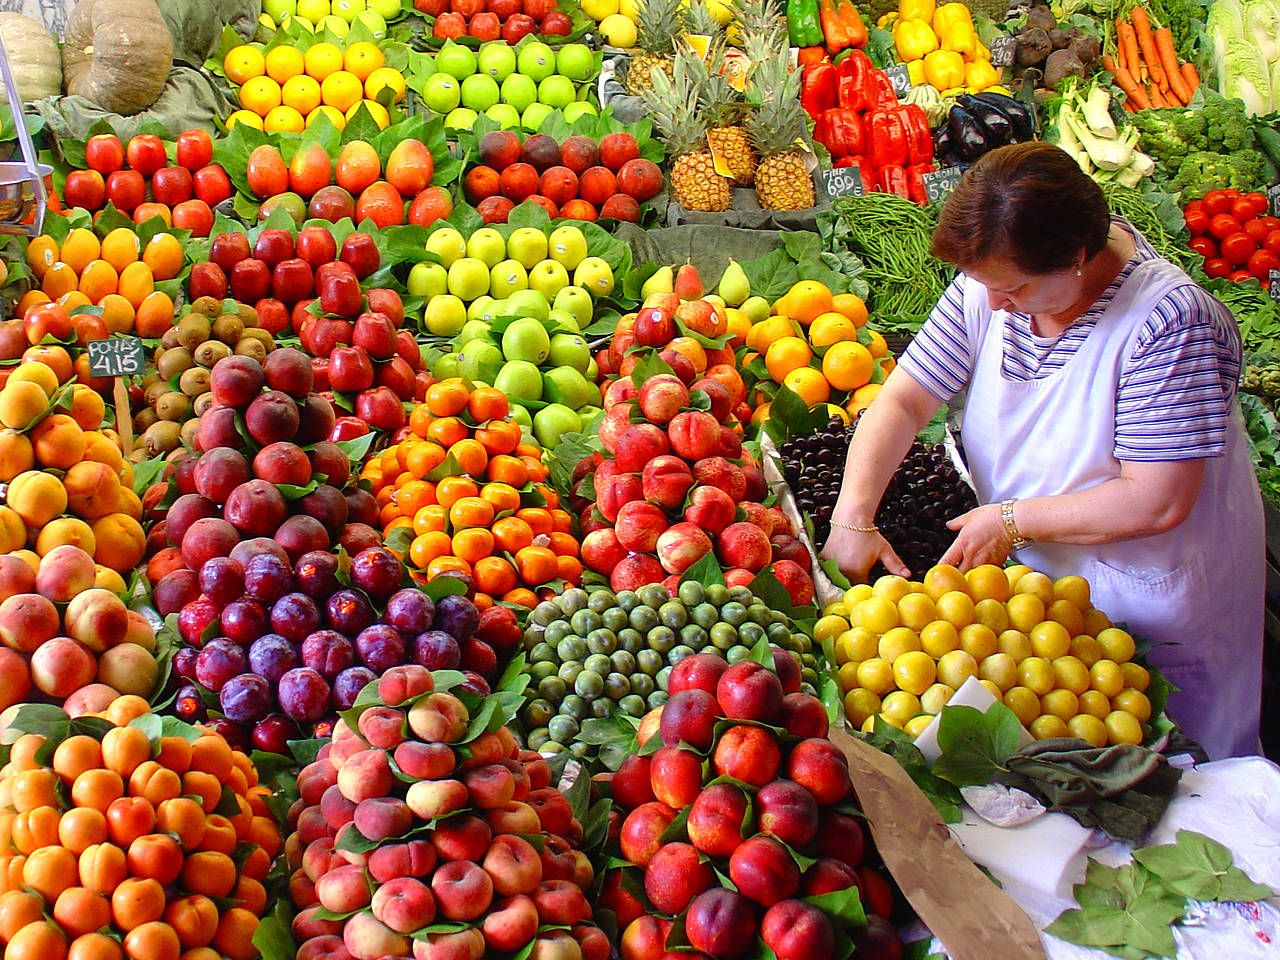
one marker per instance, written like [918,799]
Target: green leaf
[1199,867]
[975,744]
[705,571]
[842,906]
[650,365]
[1122,907]
[273,938]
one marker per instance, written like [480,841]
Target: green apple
[592,373]
[576,61]
[303,22]
[444,314]
[577,302]
[520,380]
[488,245]
[567,246]
[473,330]
[553,421]
[556,91]
[336,25]
[757,309]
[507,277]
[536,61]
[564,321]
[533,116]
[447,244]
[526,339]
[456,60]
[277,10]
[372,21]
[347,9]
[387,9]
[468,278]
[528,303]
[519,91]
[460,118]
[568,350]
[579,108]
[548,277]
[528,245]
[494,309]
[441,93]
[520,414]
[313,10]
[476,308]
[596,275]
[573,388]
[445,367]
[497,59]
[479,92]
[505,115]
[478,359]
[426,280]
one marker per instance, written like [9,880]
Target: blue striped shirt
[1176,389]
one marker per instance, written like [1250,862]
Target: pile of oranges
[116,273]
[110,846]
[285,89]
[818,345]
[471,496]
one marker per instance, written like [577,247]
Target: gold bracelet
[1016,540]
[848,526]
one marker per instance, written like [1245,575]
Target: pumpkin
[33,58]
[117,53]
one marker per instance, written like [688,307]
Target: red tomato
[1204,246]
[1239,276]
[1262,263]
[1238,248]
[1197,222]
[1223,225]
[1271,222]
[1245,209]
[1256,229]
[1259,199]
[1216,202]
[1232,192]
[1217,267]
[1272,241]
[1194,205]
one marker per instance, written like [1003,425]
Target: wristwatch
[1017,540]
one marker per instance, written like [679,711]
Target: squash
[117,53]
[33,58]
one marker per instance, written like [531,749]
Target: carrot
[1128,105]
[1128,43]
[1126,82]
[1109,63]
[1191,77]
[1156,97]
[1169,61]
[1147,44]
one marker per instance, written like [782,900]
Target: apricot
[66,531]
[16,454]
[36,497]
[21,402]
[121,541]
[59,441]
[13,533]
[37,373]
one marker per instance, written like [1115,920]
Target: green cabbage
[1247,74]
[1262,26]
[1245,51]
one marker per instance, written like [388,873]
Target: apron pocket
[1172,608]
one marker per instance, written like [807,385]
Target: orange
[42,253]
[564,544]
[509,470]
[335,116]
[851,305]
[522,597]
[739,327]
[426,547]
[495,575]
[247,117]
[283,62]
[452,489]
[831,328]
[322,59]
[562,521]
[763,334]
[80,248]
[499,436]
[536,565]
[447,564]
[430,519]
[341,90]
[302,94]
[413,496]
[163,254]
[382,79]
[472,544]
[512,534]
[847,365]
[503,496]
[538,519]
[862,397]
[569,569]
[447,431]
[422,458]
[120,248]
[471,512]
[786,354]
[877,347]
[487,403]
[260,95]
[447,398]
[809,384]
[244,62]
[97,279]
[362,58]
[470,455]
[805,301]
[283,119]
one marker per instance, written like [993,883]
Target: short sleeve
[1176,389]
[939,357]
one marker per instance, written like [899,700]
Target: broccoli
[1226,127]
[1161,138]
[1220,126]
[1201,172]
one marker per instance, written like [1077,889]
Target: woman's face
[1038,294]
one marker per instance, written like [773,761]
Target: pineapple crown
[674,108]
[696,19]
[658,22]
[759,28]
[719,102]
[778,120]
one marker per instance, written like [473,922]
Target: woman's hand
[982,539]
[856,553]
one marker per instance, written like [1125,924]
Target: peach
[681,546]
[523,785]
[747,753]
[689,715]
[629,786]
[804,715]
[617,491]
[513,865]
[614,896]
[820,767]
[424,761]
[555,945]
[97,618]
[64,572]
[514,817]
[786,810]
[489,786]
[343,889]
[593,942]
[15,684]
[62,666]
[326,947]
[382,727]
[307,925]
[337,810]
[463,891]
[795,930]
[404,683]
[700,672]
[716,819]
[744,545]
[787,666]
[639,444]
[404,904]
[439,717]
[720,472]
[366,774]
[314,779]
[561,902]
[827,875]
[620,391]
[553,810]
[601,550]
[128,669]
[93,489]
[645,938]
[796,581]
[642,831]
[666,480]
[639,525]
[368,938]
[511,923]
[730,443]
[461,838]
[721,923]
[750,691]
[27,620]
[634,572]
[676,776]
[662,397]
[764,871]
[434,798]
[15,577]
[207,538]
[417,858]
[711,509]
[694,434]
[464,945]
[380,818]
[840,836]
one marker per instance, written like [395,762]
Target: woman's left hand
[981,539]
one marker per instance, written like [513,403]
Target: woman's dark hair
[1029,203]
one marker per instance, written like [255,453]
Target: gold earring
[1078,273]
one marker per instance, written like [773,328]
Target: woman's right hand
[855,553]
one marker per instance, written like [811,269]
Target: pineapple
[723,110]
[657,26]
[759,28]
[778,121]
[697,20]
[674,108]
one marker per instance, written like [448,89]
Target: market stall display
[414,495]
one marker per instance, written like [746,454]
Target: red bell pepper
[856,88]
[840,131]
[883,87]
[892,179]
[919,137]
[915,181]
[852,20]
[864,170]
[887,137]
[834,31]
[811,55]
[819,88]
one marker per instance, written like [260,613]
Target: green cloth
[707,247]
[1122,790]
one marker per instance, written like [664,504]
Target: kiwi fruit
[202,403]
[154,392]
[228,328]
[189,429]
[208,306]
[143,419]
[161,437]
[169,339]
[174,361]
[252,347]
[210,352]
[173,405]
[193,330]
[194,382]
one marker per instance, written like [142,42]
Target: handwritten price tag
[1273,194]
[843,182]
[117,357]
[939,184]
[1274,288]
[900,78]
[1002,51]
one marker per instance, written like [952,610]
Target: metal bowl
[17,197]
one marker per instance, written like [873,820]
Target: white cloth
[1198,586]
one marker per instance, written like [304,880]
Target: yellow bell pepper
[950,13]
[888,20]
[944,68]
[915,72]
[999,88]
[916,10]
[959,37]
[981,52]
[913,39]
[980,75]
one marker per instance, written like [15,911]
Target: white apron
[1197,590]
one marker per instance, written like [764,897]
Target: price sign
[899,77]
[843,182]
[1273,194]
[117,357]
[939,184]
[1274,289]
[1003,50]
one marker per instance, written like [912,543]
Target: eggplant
[991,118]
[942,145]
[1019,116]
[967,136]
